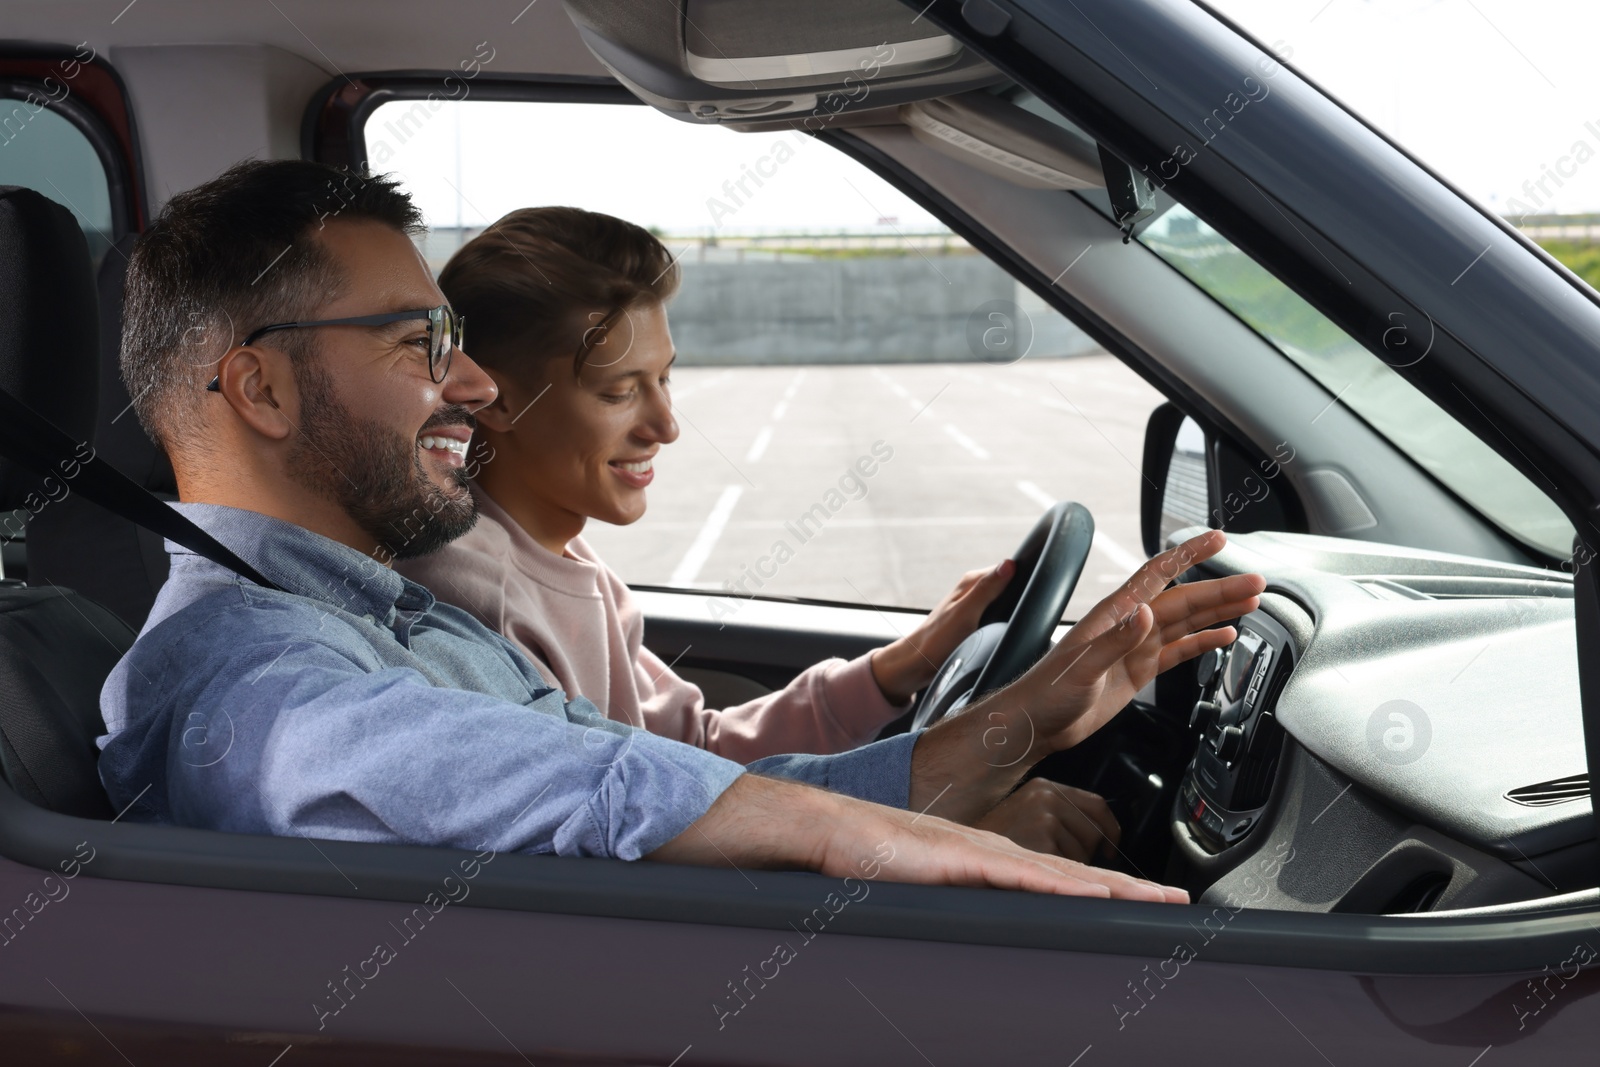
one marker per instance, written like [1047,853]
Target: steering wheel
[1015,630]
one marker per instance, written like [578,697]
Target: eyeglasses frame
[442,350]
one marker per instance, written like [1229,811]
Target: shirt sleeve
[323,746]
[879,772]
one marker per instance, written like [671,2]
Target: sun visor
[999,138]
[742,60]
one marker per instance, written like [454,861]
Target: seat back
[56,647]
[81,545]
[49,332]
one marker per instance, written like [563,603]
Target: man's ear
[507,406]
[255,383]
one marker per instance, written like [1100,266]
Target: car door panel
[648,991]
[764,640]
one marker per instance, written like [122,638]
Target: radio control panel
[1226,786]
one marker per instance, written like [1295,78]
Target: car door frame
[337,883]
[183,856]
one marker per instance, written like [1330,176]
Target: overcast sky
[1489,92]
[633,162]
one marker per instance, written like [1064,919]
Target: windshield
[1354,377]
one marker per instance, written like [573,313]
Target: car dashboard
[1392,732]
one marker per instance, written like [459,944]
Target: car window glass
[868,406]
[43,151]
[1368,386]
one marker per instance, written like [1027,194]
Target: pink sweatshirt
[575,619]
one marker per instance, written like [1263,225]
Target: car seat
[81,545]
[56,646]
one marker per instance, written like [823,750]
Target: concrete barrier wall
[899,309]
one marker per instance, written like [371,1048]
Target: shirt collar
[307,564]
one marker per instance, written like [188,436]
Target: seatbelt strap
[33,441]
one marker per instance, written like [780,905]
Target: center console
[1227,785]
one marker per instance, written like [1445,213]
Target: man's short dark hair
[226,258]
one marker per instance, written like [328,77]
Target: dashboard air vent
[1557,792]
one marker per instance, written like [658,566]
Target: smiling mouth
[444,444]
[639,467]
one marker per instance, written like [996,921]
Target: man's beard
[376,474]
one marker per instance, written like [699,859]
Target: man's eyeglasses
[445,330]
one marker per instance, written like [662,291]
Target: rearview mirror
[1133,196]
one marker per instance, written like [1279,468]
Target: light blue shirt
[351,705]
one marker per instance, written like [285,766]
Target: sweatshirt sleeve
[831,707]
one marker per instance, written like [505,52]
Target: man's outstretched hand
[969,762]
[770,823]
[1131,636]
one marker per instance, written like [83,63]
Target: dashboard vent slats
[1546,793]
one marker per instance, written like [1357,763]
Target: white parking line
[758,447]
[788,394]
[894,387]
[689,567]
[1107,547]
[966,442]
[1117,554]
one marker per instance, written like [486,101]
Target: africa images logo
[1399,732]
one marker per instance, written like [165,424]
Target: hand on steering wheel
[1146,626]
[1015,629]
[907,665]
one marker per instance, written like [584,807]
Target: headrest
[49,331]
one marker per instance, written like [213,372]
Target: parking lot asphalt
[884,484]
